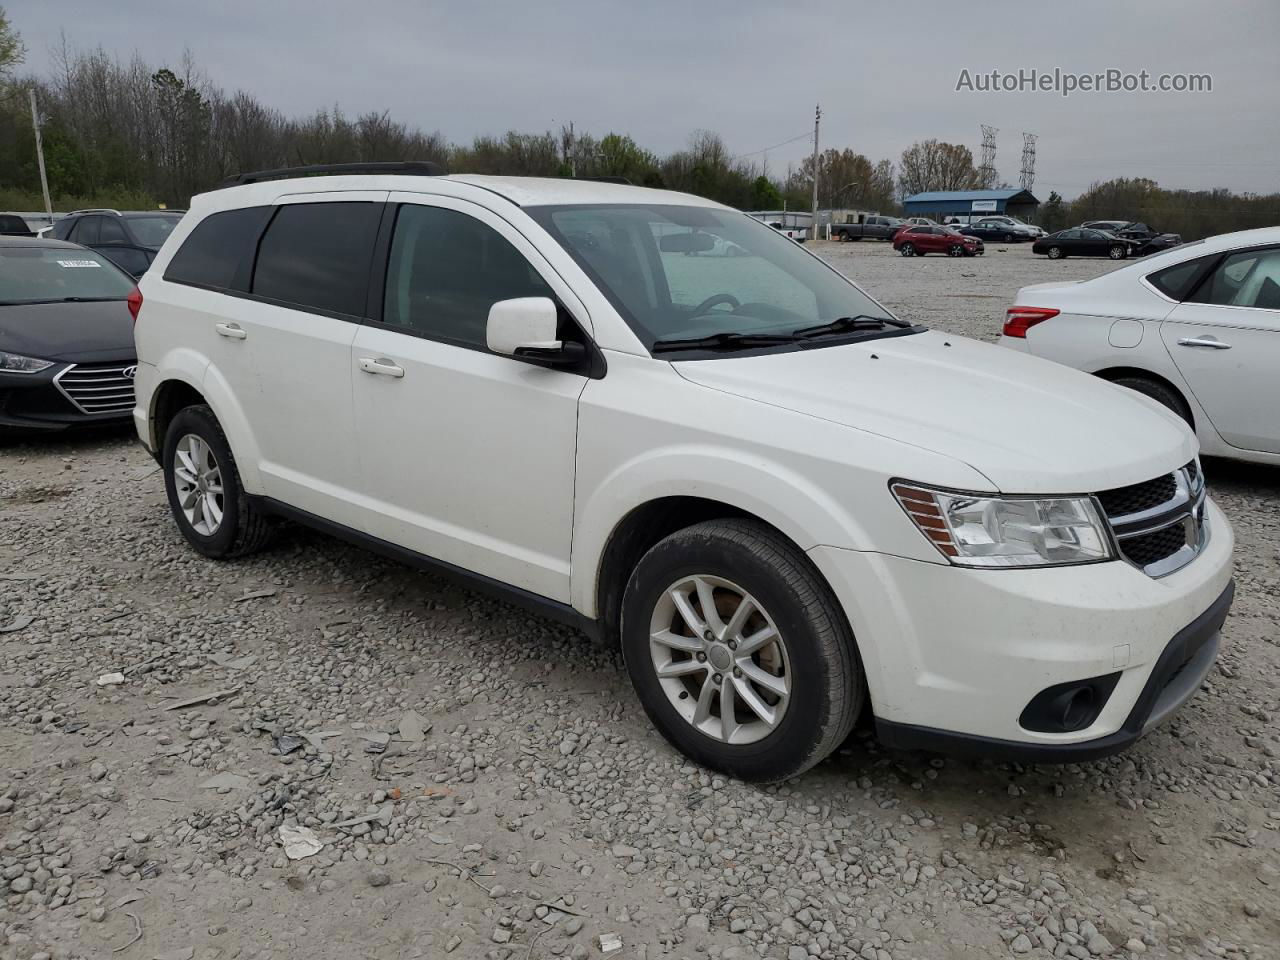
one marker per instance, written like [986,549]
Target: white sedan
[1196,328]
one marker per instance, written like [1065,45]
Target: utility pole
[44,179]
[817,118]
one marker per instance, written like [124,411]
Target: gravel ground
[483,783]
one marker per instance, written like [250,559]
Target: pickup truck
[871,228]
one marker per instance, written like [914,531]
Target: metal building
[971,204]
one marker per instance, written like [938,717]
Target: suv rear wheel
[738,652]
[203,486]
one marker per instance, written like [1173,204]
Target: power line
[804,136]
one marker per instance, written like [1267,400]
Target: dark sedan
[1146,240]
[66,337]
[1079,242]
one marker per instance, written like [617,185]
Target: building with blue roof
[971,204]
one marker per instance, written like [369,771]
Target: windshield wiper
[856,324]
[723,341]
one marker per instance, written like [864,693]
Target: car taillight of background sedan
[1018,320]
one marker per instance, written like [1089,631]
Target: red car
[917,241]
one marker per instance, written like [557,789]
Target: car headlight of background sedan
[16,363]
[981,530]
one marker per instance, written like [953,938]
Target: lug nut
[733,644]
[709,637]
[737,671]
[717,679]
[702,657]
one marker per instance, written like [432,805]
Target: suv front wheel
[203,486]
[739,653]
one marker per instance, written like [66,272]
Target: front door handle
[231,330]
[382,366]
[1213,343]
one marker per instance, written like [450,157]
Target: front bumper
[32,403]
[1177,675]
[953,656]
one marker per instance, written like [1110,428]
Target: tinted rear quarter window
[213,253]
[317,255]
[1176,282]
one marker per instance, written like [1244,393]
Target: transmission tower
[987,169]
[1028,161]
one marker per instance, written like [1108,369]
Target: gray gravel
[485,785]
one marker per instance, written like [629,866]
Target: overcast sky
[885,73]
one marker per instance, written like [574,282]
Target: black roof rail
[622,180]
[423,168]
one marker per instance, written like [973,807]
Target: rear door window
[1250,278]
[316,256]
[214,252]
[85,231]
[110,230]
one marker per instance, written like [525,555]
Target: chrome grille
[1159,525]
[95,388]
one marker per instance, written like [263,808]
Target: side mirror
[525,328]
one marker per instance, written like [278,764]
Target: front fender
[771,491]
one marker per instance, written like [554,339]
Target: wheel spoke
[197,512]
[214,488]
[761,638]
[187,462]
[189,498]
[703,711]
[688,614]
[763,678]
[707,600]
[213,511]
[183,475]
[733,629]
[676,642]
[728,716]
[753,701]
[681,668]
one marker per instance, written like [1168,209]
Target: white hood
[1029,425]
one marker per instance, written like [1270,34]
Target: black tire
[1009,238]
[825,673]
[1057,253]
[1117,252]
[908,250]
[243,529]
[1160,392]
[955,250]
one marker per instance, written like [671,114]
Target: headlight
[16,363]
[979,530]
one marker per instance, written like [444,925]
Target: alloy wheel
[720,659]
[197,480]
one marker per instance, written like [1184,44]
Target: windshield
[680,272]
[43,274]
[153,231]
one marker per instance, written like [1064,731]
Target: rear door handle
[381,366]
[1213,343]
[231,330]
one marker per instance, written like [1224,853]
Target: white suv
[786,505]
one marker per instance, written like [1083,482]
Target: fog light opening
[1068,707]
